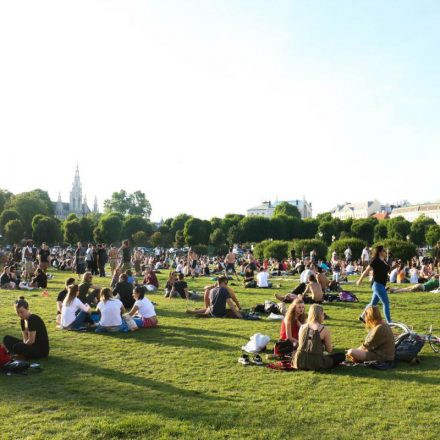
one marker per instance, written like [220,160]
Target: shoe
[361,318]
[244,359]
[257,360]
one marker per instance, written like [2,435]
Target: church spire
[95,205]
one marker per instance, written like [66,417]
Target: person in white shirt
[304,277]
[180,267]
[143,311]
[393,275]
[347,254]
[70,318]
[263,279]
[111,310]
[414,274]
[350,269]
[365,257]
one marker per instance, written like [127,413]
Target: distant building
[356,210]
[77,205]
[413,212]
[266,209]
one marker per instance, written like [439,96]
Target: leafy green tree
[71,217]
[276,249]
[124,203]
[233,235]
[327,230]
[278,227]
[44,197]
[179,239]
[6,216]
[87,224]
[356,245]
[400,249]
[195,232]
[254,228]
[135,223]
[285,208]
[140,238]
[324,217]
[398,228]
[13,231]
[156,239]
[5,195]
[72,231]
[46,229]
[432,236]
[309,228]
[363,229]
[231,220]
[307,246]
[419,227]
[381,231]
[109,228]
[217,237]
[179,223]
[216,223]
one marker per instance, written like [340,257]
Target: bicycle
[434,341]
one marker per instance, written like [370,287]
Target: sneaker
[244,359]
[361,318]
[257,360]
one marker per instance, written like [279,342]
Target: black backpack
[15,367]
[408,346]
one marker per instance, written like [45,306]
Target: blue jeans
[381,294]
[79,320]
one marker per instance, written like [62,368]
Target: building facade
[413,212]
[77,204]
[356,210]
[266,209]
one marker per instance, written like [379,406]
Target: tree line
[31,215]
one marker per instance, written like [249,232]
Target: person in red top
[150,280]
[291,323]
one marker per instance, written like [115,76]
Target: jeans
[380,294]
[79,320]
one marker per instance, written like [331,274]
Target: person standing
[89,258]
[113,258]
[348,254]
[102,259]
[28,259]
[380,269]
[125,256]
[44,257]
[80,259]
[365,257]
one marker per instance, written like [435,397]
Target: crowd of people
[124,306]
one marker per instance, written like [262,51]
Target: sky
[211,107]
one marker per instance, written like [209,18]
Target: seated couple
[34,343]
[262,281]
[177,287]
[313,287]
[74,314]
[428,286]
[216,300]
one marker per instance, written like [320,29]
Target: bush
[200,249]
[308,245]
[276,249]
[356,245]
[403,250]
[259,249]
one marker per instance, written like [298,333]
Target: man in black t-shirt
[44,257]
[180,287]
[125,256]
[125,291]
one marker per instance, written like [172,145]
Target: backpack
[15,367]
[5,357]
[345,296]
[408,346]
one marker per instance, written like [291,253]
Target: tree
[309,228]
[156,239]
[217,237]
[46,229]
[124,203]
[363,229]
[135,223]
[381,231]
[398,228]
[254,229]
[44,197]
[72,231]
[285,208]
[324,217]
[13,231]
[356,245]
[140,238]
[179,223]
[419,227]
[400,249]
[233,235]
[307,246]
[276,249]
[87,226]
[5,195]
[109,228]
[432,236]
[179,239]
[326,231]
[71,217]
[195,232]
[216,223]
[6,216]
[231,220]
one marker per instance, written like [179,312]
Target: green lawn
[182,380]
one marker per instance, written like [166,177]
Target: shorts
[125,266]
[44,265]
[146,322]
[193,264]
[28,267]
[113,264]
[230,267]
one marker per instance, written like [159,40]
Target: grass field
[182,380]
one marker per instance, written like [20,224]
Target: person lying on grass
[35,342]
[219,297]
[229,289]
[428,286]
[143,311]
[379,344]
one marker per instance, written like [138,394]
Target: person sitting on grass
[115,277]
[111,310]
[143,310]
[322,279]
[229,289]
[379,344]
[263,279]
[74,313]
[60,298]
[249,279]
[35,342]
[6,281]
[290,325]
[130,278]
[172,278]
[150,280]
[180,288]
[218,299]
[124,291]
[85,295]
[314,288]
[39,280]
[428,286]
[313,338]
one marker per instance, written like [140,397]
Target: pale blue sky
[211,107]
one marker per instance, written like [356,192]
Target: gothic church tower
[75,205]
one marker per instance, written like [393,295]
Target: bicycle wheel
[434,342]
[399,329]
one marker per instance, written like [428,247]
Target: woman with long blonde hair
[379,344]
[314,338]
